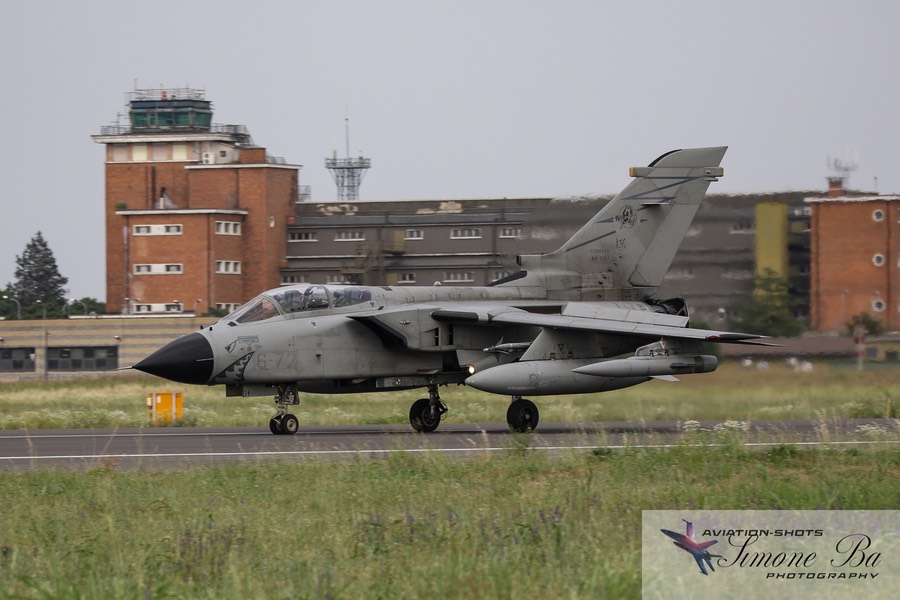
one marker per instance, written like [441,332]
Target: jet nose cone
[189,359]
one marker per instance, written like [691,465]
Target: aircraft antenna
[347,172]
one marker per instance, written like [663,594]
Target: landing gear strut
[522,415]
[284,422]
[425,413]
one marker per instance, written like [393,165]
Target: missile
[651,366]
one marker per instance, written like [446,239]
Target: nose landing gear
[425,413]
[284,423]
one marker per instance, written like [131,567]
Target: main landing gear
[425,413]
[284,422]
[522,415]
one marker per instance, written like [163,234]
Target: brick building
[195,212]
[855,258]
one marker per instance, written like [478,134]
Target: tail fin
[626,249]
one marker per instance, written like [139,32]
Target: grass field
[729,393]
[518,524]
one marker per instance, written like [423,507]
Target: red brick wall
[265,191]
[844,277]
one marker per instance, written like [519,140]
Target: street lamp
[18,307]
[43,308]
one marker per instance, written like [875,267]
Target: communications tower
[347,172]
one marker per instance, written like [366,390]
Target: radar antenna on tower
[347,173]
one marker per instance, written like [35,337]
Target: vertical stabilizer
[626,249]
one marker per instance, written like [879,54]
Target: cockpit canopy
[294,300]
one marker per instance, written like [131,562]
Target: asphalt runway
[178,447]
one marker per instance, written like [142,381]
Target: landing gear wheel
[522,415]
[275,425]
[289,424]
[424,416]
[284,422]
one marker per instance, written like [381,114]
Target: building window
[465,233]
[414,234]
[406,278]
[878,260]
[170,229]
[160,151]
[680,273]
[350,236]
[288,279]
[228,267]
[228,228]
[336,278]
[736,274]
[119,152]
[459,276]
[158,269]
[173,307]
[510,232]
[303,236]
[227,306]
[878,215]
[84,358]
[16,359]
[878,305]
[498,275]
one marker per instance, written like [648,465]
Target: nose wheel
[284,423]
[425,413]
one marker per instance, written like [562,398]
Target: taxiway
[189,447]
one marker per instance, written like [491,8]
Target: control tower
[195,211]
[347,172]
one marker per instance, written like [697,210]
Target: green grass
[520,524]
[515,524]
[729,393]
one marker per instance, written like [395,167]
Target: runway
[190,447]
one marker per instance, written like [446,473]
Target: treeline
[38,291]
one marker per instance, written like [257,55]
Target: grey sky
[462,99]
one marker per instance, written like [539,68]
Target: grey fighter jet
[578,320]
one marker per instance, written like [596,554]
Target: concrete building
[475,242]
[855,258]
[195,212]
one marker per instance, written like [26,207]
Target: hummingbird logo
[698,550]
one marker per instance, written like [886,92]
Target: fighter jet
[698,550]
[564,324]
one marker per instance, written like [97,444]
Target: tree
[871,325]
[37,276]
[767,309]
[85,307]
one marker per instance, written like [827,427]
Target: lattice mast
[348,172]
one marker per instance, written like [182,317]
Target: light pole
[18,307]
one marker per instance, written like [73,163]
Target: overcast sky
[455,99]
